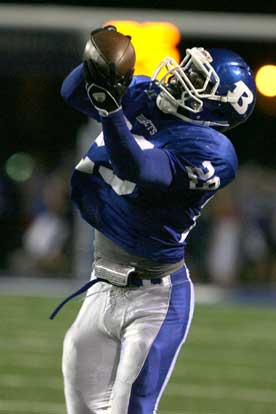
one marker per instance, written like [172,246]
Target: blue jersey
[152,221]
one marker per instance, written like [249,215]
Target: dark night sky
[222,5]
[260,130]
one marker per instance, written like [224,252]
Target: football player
[161,156]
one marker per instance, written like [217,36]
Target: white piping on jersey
[141,141]
[100,140]
[121,187]
[184,235]
[86,165]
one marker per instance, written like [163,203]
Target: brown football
[110,46]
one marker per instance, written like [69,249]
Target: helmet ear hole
[218,113]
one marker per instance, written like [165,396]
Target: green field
[228,365]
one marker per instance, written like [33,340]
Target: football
[110,46]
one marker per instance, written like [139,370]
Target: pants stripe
[150,384]
[179,347]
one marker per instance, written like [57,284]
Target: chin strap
[169,108]
[201,122]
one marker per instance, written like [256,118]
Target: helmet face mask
[206,90]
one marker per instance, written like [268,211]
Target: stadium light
[266,80]
[152,42]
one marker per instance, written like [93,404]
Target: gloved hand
[105,93]
[105,87]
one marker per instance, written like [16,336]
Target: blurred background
[234,242]
[45,248]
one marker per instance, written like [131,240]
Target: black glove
[104,87]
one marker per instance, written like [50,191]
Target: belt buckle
[114,273]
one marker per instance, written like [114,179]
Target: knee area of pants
[72,339]
[147,382]
[68,340]
[69,352]
[146,388]
[141,345]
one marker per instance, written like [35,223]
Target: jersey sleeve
[133,90]
[74,93]
[200,165]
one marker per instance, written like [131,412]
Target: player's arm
[145,167]
[128,160]
[106,89]
[73,91]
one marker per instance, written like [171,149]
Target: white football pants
[119,353]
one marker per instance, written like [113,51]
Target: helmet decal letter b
[241,93]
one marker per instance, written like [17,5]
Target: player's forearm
[74,93]
[129,161]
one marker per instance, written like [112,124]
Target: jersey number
[203,178]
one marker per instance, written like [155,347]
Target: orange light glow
[153,41]
[266,80]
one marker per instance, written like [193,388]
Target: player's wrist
[111,114]
[116,115]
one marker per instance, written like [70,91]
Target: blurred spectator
[35,215]
[233,243]
[223,260]
[239,243]
[45,242]
[257,204]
